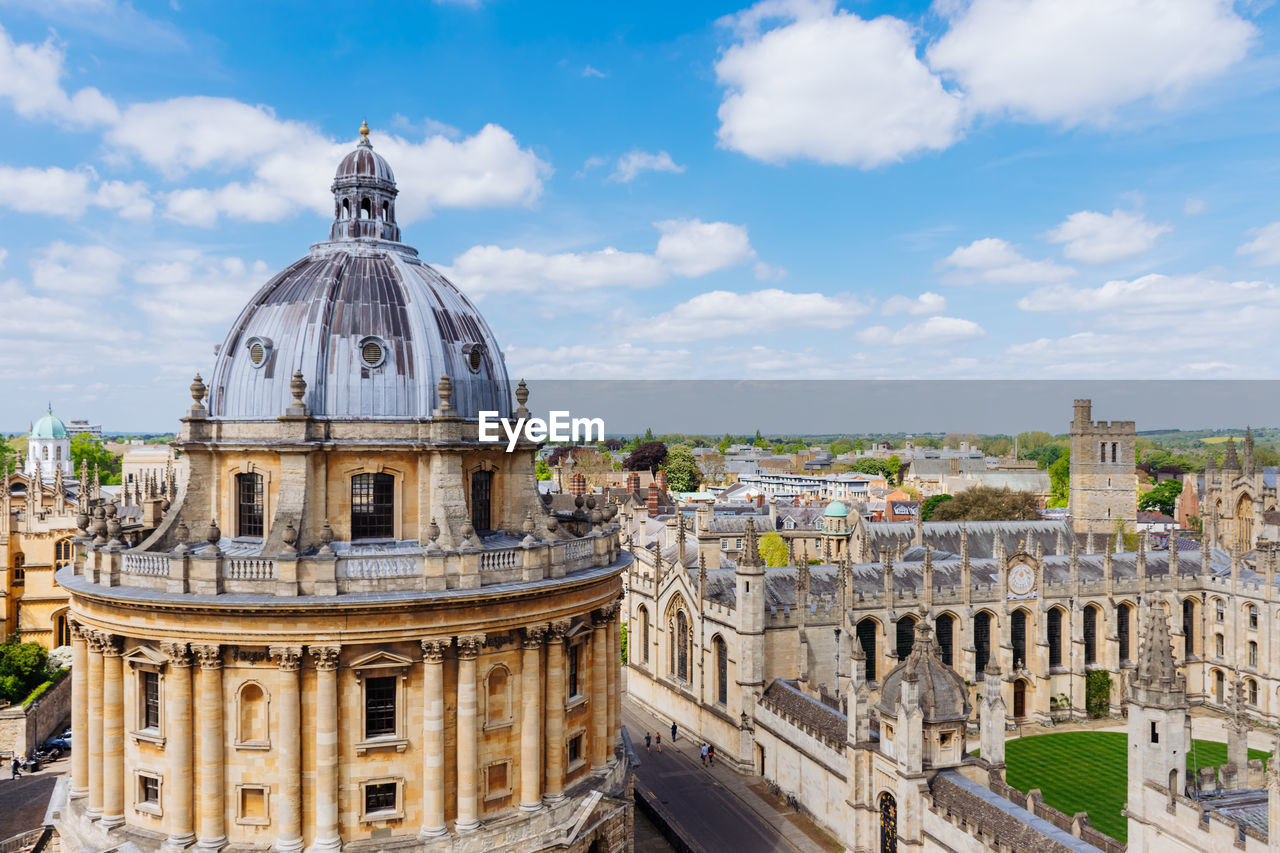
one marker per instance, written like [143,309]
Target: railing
[505,558]
[250,569]
[380,567]
[145,564]
[578,548]
[25,841]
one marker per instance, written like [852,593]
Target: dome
[49,427]
[370,326]
[942,692]
[835,509]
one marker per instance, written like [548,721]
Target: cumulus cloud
[77,270]
[31,79]
[722,314]
[1193,206]
[932,332]
[829,86]
[1077,62]
[692,248]
[994,261]
[926,303]
[71,192]
[1264,248]
[633,163]
[588,71]
[1099,238]
[1150,294]
[4,254]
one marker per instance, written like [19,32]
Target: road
[23,801]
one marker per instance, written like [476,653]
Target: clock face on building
[1022,579]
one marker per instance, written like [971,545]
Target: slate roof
[934,469]
[830,724]
[945,535]
[1012,826]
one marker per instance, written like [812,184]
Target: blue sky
[791,189]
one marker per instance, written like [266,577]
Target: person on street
[711,756]
[648,742]
[704,754]
[673,731]
[659,743]
[16,765]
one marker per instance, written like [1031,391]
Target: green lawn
[1088,771]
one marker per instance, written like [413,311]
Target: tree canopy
[930,504]
[647,456]
[1060,480]
[682,470]
[89,449]
[773,549]
[1163,498]
[23,667]
[984,503]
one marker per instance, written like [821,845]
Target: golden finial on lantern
[364,131]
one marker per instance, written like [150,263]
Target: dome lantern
[364,195]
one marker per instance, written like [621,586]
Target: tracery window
[249,505]
[981,643]
[372,506]
[722,670]
[946,631]
[643,615]
[906,631]
[682,646]
[1055,637]
[888,823]
[1018,635]
[1090,635]
[1122,631]
[1188,627]
[62,553]
[866,632]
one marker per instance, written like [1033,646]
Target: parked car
[66,735]
[61,743]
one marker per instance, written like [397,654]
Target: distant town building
[76,426]
[1103,480]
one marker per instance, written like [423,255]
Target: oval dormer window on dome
[259,350]
[474,354]
[373,351]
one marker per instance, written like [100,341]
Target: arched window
[1253,654]
[981,644]
[888,823]
[642,615]
[1218,645]
[1218,685]
[1219,610]
[372,506]
[682,646]
[1252,611]
[61,630]
[346,209]
[383,215]
[1018,636]
[252,714]
[722,670]
[866,631]
[498,697]
[57,453]
[945,626]
[249,505]
[481,499]
[1253,691]
[1020,698]
[1188,627]
[1090,635]
[906,631]
[44,452]
[1055,637]
[19,577]
[366,209]
[1122,631]
[62,553]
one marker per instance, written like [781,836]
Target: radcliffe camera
[791,426]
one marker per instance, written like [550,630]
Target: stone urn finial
[552,524]
[326,538]
[298,387]
[82,523]
[113,530]
[445,390]
[591,501]
[522,397]
[528,522]
[112,510]
[212,534]
[578,501]
[290,535]
[468,531]
[198,390]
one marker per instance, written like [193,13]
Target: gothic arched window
[62,552]
[722,670]
[1018,636]
[642,615]
[981,643]
[906,635]
[866,631]
[1122,631]
[1253,691]
[682,646]
[888,823]
[1055,637]
[249,505]
[1188,627]
[372,506]
[1252,611]
[945,627]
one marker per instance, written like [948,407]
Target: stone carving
[433,649]
[535,635]
[469,646]
[558,630]
[177,653]
[326,657]
[209,657]
[288,658]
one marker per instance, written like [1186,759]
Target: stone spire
[1238,728]
[1248,452]
[702,576]
[59,488]
[1230,459]
[750,546]
[1156,681]
[680,539]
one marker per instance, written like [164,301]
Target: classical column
[468,784]
[94,639]
[599,688]
[614,675]
[555,711]
[327,836]
[178,805]
[433,737]
[79,710]
[289,751]
[531,719]
[112,731]
[212,832]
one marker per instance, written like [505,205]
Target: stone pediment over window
[579,630]
[143,657]
[381,663]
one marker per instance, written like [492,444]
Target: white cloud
[1076,62]
[993,261]
[1126,301]
[934,331]
[593,361]
[588,71]
[926,303]
[4,253]
[70,192]
[829,86]
[188,289]
[723,314]
[31,79]
[1193,206]
[491,269]
[90,271]
[692,248]
[1098,238]
[1264,248]
[631,164]
[291,164]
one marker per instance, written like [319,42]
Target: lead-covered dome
[370,326]
[942,693]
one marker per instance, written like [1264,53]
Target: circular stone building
[357,625]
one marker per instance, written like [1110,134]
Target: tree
[23,667]
[995,445]
[8,455]
[893,469]
[724,444]
[648,434]
[840,445]
[859,446]
[647,456]
[1097,692]
[86,448]
[613,445]
[682,469]
[1060,480]
[984,503]
[1163,498]
[713,467]
[760,441]
[773,549]
[541,470]
[930,504]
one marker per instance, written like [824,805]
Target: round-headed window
[259,350]
[373,351]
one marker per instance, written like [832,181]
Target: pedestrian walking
[659,743]
[704,754]
[16,765]
[648,741]
[711,756]
[673,731]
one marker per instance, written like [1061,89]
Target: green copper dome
[49,427]
[835,509]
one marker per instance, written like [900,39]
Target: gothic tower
[1103,489]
